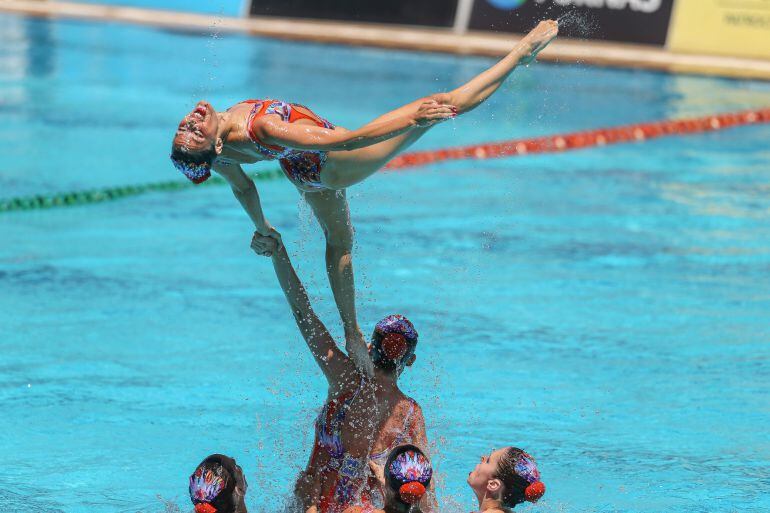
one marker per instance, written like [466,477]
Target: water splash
[578,24]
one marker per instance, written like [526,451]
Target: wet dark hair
[215,480]
[393,342]
[408,472]
[521,480]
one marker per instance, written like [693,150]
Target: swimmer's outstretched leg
[346,168]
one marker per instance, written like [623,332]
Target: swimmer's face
[483,478]
[197,132]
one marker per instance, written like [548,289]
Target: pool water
[605,309]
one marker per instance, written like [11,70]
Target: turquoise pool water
[605,309]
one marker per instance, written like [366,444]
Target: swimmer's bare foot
[355,345]
[476,91]
[537,40]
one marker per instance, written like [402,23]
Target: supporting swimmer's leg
[346,168]
[331,210]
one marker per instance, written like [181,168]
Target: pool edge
[597,53]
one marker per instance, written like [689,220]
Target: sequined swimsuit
[352,480]
[303,167]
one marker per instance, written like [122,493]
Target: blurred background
[735,28]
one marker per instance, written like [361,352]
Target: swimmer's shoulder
[408,405]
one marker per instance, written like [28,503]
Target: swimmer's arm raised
[332,361]
[246,193]
[310,137]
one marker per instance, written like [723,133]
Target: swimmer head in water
[196,143]
[218,486]
[393,344]
[509,475]
[407,477]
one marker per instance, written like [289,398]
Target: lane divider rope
[518,147]
[602,137]
[69,199]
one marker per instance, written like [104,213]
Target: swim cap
[195,172]
[408,471]
[394,338]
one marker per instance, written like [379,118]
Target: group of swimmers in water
[369,453]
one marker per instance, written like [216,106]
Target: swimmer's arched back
[322,159]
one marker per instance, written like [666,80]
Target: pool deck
[597,53]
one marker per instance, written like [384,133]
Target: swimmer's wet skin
[344,452]
[504,478]
[322,159]
[405,478]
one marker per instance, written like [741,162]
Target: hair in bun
[408,472]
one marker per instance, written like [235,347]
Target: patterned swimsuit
[352,480]
[347,473]
[303,167]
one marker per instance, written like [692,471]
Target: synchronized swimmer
[502,480]
[370,440]
[322,160]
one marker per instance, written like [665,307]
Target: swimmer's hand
[378,471]
[358,351]
[266,245]
[432,112]
[536,40]
[266,230]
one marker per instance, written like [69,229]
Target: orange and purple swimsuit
[303,167]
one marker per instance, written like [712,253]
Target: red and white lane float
[586,139]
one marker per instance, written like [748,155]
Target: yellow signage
[739,28]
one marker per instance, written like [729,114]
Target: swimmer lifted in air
[322,159]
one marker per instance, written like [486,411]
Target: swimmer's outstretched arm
[476,91]
[246,193]
[334,363]
[310,137]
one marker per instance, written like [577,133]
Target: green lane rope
[77,198]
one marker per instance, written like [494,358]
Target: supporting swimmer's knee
[340,242]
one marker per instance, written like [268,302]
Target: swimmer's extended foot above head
[537,39]
[476,91]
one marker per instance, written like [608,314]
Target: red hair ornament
[534,491]
[394,346]
[411,493]
[205,507]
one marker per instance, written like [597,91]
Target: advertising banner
[739,28]
[435,13]
[635,21]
